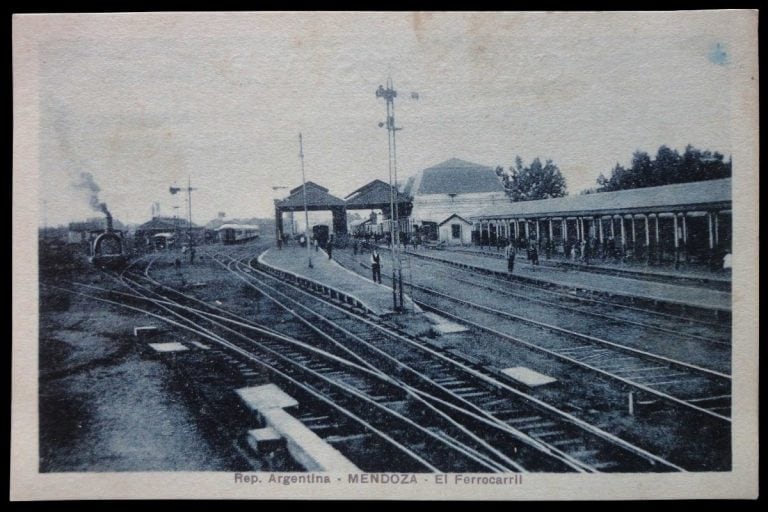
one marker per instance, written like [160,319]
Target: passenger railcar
[237,233]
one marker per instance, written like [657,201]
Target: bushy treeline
[668,167]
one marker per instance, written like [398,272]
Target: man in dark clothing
[329,248]
[376,266]
[509,252]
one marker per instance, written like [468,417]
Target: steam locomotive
[108,248]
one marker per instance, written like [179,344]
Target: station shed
[318,199]
[684,221]
[455,230]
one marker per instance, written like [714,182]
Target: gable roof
[310,184]
[371,194]
[455,176]
[317,196]
[457,216]
[677,197]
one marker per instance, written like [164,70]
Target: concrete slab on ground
[306,447]
[376,297]
[168,347]
[443,325]
[268,396]
[527,376]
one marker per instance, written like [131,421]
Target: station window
[456,230]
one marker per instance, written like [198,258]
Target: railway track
[566,302]
[698,389]
[674,316]
[464,391]
[347,402]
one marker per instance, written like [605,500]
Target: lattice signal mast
[389,94]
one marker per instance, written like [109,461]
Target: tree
[666,168]
[536,181]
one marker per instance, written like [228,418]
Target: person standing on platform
[329,247]
[317,245]
[279,242]
[191,255]
[376,265]
[509,253]
[354,247]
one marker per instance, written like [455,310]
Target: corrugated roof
[677,196]
[455,176]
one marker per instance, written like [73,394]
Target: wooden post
[600,228]
[623,237]
[634,233]
[675,237]
[565,235]
[717,229]
[685,236]
[647,232]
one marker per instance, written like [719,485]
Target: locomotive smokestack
[109,217]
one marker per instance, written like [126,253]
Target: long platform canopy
[699,195]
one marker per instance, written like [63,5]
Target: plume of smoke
[87,183]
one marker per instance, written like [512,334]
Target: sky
[221,99]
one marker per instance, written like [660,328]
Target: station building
[445,195]
[690,221]
[169,228]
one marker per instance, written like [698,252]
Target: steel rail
[308,389]
[494,382]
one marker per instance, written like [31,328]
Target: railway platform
[667,272]
[377,298]
[634,287]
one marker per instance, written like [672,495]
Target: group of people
[510,253]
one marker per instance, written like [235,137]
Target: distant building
[86,231]
[179,228]
[452,188]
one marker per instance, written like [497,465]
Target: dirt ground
[107,403]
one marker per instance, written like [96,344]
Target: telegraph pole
[389,94]
[189,189]
[189,205]
[304,192]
